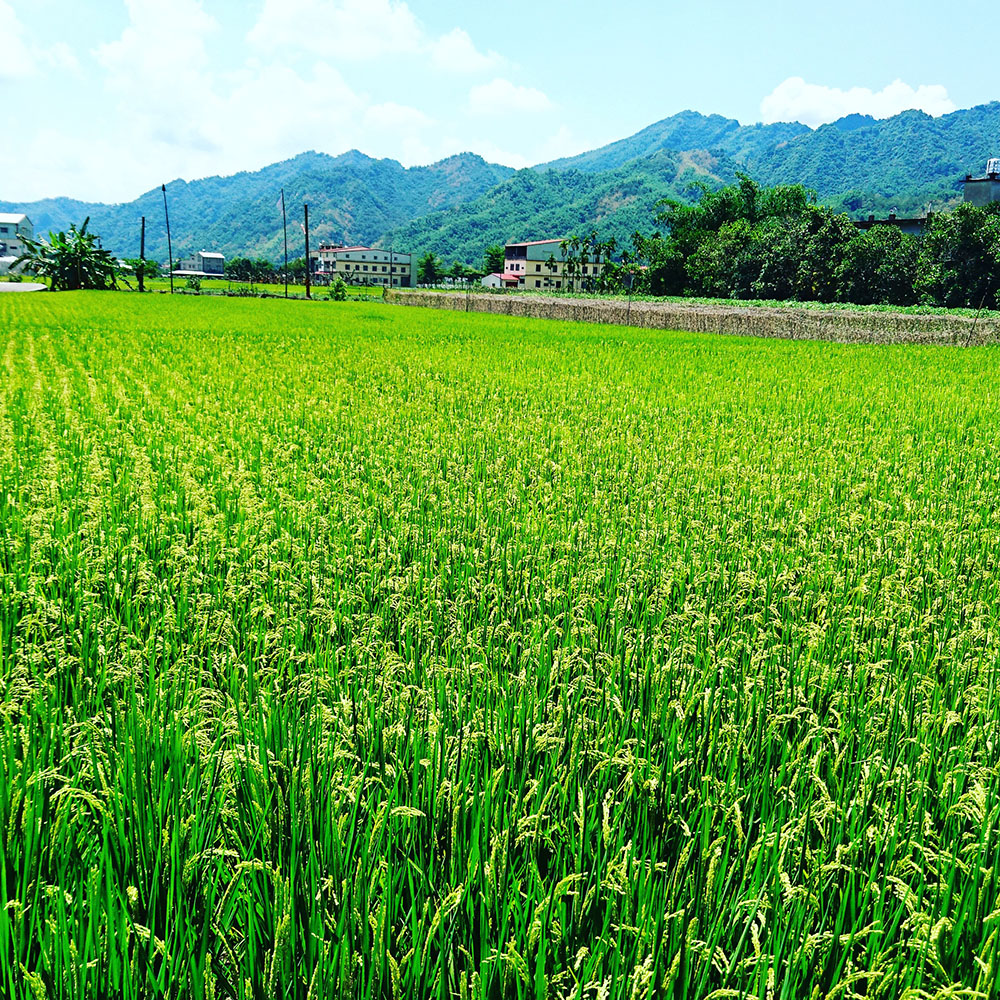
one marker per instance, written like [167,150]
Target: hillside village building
[362,265]
[914,226]
[981,191]
[542,264]
[14,227]
[204,264]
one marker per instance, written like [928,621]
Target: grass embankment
[384,652]
[801,321]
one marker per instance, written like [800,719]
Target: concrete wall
[982,191]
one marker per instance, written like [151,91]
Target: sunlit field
[237,288]
[351,650]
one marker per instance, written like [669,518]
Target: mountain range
[911,162]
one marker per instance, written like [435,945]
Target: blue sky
[107,98]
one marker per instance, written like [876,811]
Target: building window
[538,283]
[384,269]
[538,267]
[558,284]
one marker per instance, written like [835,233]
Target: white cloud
[255,104]
[556,146]
[305,107]
[813,104]
[20,59]
[500,96]
[456,53]
[343,29]
[16,61]
[62,58]
[396,116]
[160,47]
[365,31]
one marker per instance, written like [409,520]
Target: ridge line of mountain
[457,205]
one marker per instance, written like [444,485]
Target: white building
[204,264]
[13,228]
[362,265]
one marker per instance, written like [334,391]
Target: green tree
[879,267]
[430,270]
[238,269]
[552,265]
[959,259]
[493,259]
[150,268]
[296,270]
[71,260]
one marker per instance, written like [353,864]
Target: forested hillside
[534,205]
[686,130]
[911,163]
[351,197]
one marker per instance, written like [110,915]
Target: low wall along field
[367,652]
[840,325]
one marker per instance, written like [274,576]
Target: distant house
[204,264]
[495,280]
[542,264]
[914,226]
[983,190]
[359,265]
[14,227]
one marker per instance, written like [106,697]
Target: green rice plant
[406,653]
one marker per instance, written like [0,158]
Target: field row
[394,652]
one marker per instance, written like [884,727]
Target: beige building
[543,264]
[362,265]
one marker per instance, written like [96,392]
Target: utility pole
[284,226]
[305,229]
[170,249]
[142,255]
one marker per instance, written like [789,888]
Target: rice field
[350,650]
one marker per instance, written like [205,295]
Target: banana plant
[71,260]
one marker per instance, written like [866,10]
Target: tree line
[746,241]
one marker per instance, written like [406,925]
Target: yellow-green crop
[353,650]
